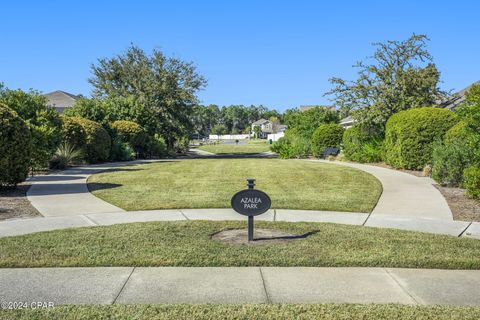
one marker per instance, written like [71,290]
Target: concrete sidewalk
[404,195]
[25,226]
[65,193]
[127,285]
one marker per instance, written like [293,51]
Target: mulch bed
[15,205]
[463,208]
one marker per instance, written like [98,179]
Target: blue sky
[276,53]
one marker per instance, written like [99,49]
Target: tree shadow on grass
[94,186]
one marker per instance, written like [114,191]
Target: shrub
[471,181]
[359,146]
[157,146]
[132,133]
[410,136]
[66,155]
[451,158]
[73,133]
[121,151]
[43,122]
[459,133]
[15,147]
[292,145]
[449,162]
[97,144]
[326,136]
[181,145]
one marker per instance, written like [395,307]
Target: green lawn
[189,243]
[210,183]
[247,312]
[251,147]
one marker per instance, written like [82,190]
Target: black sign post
[250,203]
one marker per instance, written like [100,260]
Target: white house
[265,127]
[347,122]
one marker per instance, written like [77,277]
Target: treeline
[234,119]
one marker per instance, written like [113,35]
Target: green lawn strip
[251,147]
[210,183]
[247,312]
[188,243]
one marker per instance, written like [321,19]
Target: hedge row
[410,136]
[15,148]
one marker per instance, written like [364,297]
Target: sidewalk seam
[368,217]
[274,215]
[264,286]
[183,214]
[464,230]
[90,220]
[123,287]
[403,288]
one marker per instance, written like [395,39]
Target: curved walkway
[405,195]
[407,202]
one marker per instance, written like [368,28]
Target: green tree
[470,111]
[305,122]
[43,122]
[275,123]
[91,109]
[204,118]
[167,86]
[400,75]
[219,129]
[256,131]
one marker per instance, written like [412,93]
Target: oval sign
[251,202]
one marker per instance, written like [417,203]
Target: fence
[229,137]
[275,136]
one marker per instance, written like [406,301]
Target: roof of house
[61,100]
[308,107]
[347,120]
[457,99]
[260,122]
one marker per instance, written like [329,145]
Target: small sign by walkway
[251,202]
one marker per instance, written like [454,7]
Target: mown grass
[247,312]
[210,183]
[250,147]
[189,243]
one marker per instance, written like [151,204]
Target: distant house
[266,127]
[457,99]
[61,100]
[347,122]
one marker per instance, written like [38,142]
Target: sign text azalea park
[250,203]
